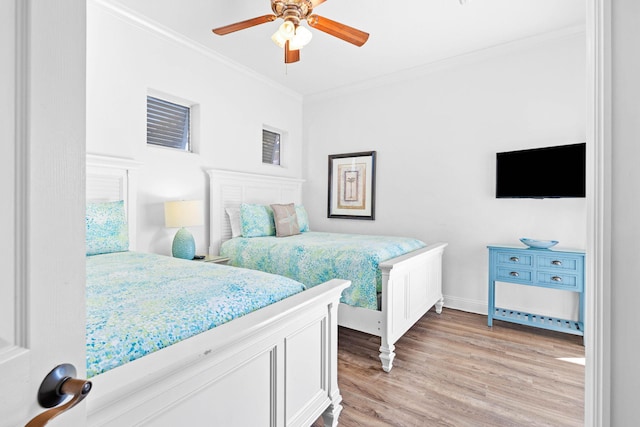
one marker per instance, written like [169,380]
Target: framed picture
[352,185]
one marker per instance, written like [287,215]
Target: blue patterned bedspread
[314,257]
[138,303]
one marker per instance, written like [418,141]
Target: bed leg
[331,414]
[439,305]
[386,356]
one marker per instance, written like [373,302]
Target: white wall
[125,60]
[625,211]
[436,135]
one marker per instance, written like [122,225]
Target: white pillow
[234,219]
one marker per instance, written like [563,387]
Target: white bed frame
[411,283]
[276,366]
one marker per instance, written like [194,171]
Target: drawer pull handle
[514,259]
[556,279]
[514,274]
[556,262]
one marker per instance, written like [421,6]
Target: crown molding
[138,20]
[448,63]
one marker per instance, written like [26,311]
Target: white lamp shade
[278,39]
[287,30]
[183,213]
[301,39]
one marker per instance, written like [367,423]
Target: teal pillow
[107,229]
[303,218]
[256,220]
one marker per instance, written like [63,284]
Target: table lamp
[181,214]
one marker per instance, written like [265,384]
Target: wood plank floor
[452,370]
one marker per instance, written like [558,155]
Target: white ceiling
[403,34]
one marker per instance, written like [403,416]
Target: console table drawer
[559,280]
[514,258]
[506,274]
[554,262]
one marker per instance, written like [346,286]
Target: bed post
[411,285]
[387,347]
[331,414]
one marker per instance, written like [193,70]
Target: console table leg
[492,302]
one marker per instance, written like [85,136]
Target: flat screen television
[539,173]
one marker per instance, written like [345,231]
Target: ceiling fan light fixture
[291,36]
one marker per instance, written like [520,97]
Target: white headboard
[230,189]
[111,179]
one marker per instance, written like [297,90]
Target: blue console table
[547,268]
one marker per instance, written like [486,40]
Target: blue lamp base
[183,245]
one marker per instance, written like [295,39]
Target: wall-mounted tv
[542,172]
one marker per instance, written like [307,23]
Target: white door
[42,151]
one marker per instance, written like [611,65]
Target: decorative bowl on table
[539,244]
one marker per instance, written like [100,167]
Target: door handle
[56,387]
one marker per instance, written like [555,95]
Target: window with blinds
[168,124]
[270,147]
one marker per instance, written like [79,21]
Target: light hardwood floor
[453,370]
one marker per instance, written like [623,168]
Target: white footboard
[411,285]
[274,367]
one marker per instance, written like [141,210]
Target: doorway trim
[598,132]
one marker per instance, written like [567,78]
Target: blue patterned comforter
[314,257]
[138,303]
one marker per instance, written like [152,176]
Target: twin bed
[173,342]
[395,281]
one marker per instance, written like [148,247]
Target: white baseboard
[471,306]
[481,307]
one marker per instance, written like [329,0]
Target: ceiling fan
[291,35]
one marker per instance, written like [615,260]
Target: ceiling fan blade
[290,56]
[315,3]
[336,29]
[244,24]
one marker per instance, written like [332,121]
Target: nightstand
[548,268]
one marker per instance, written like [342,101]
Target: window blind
[270,147]
[167,124]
